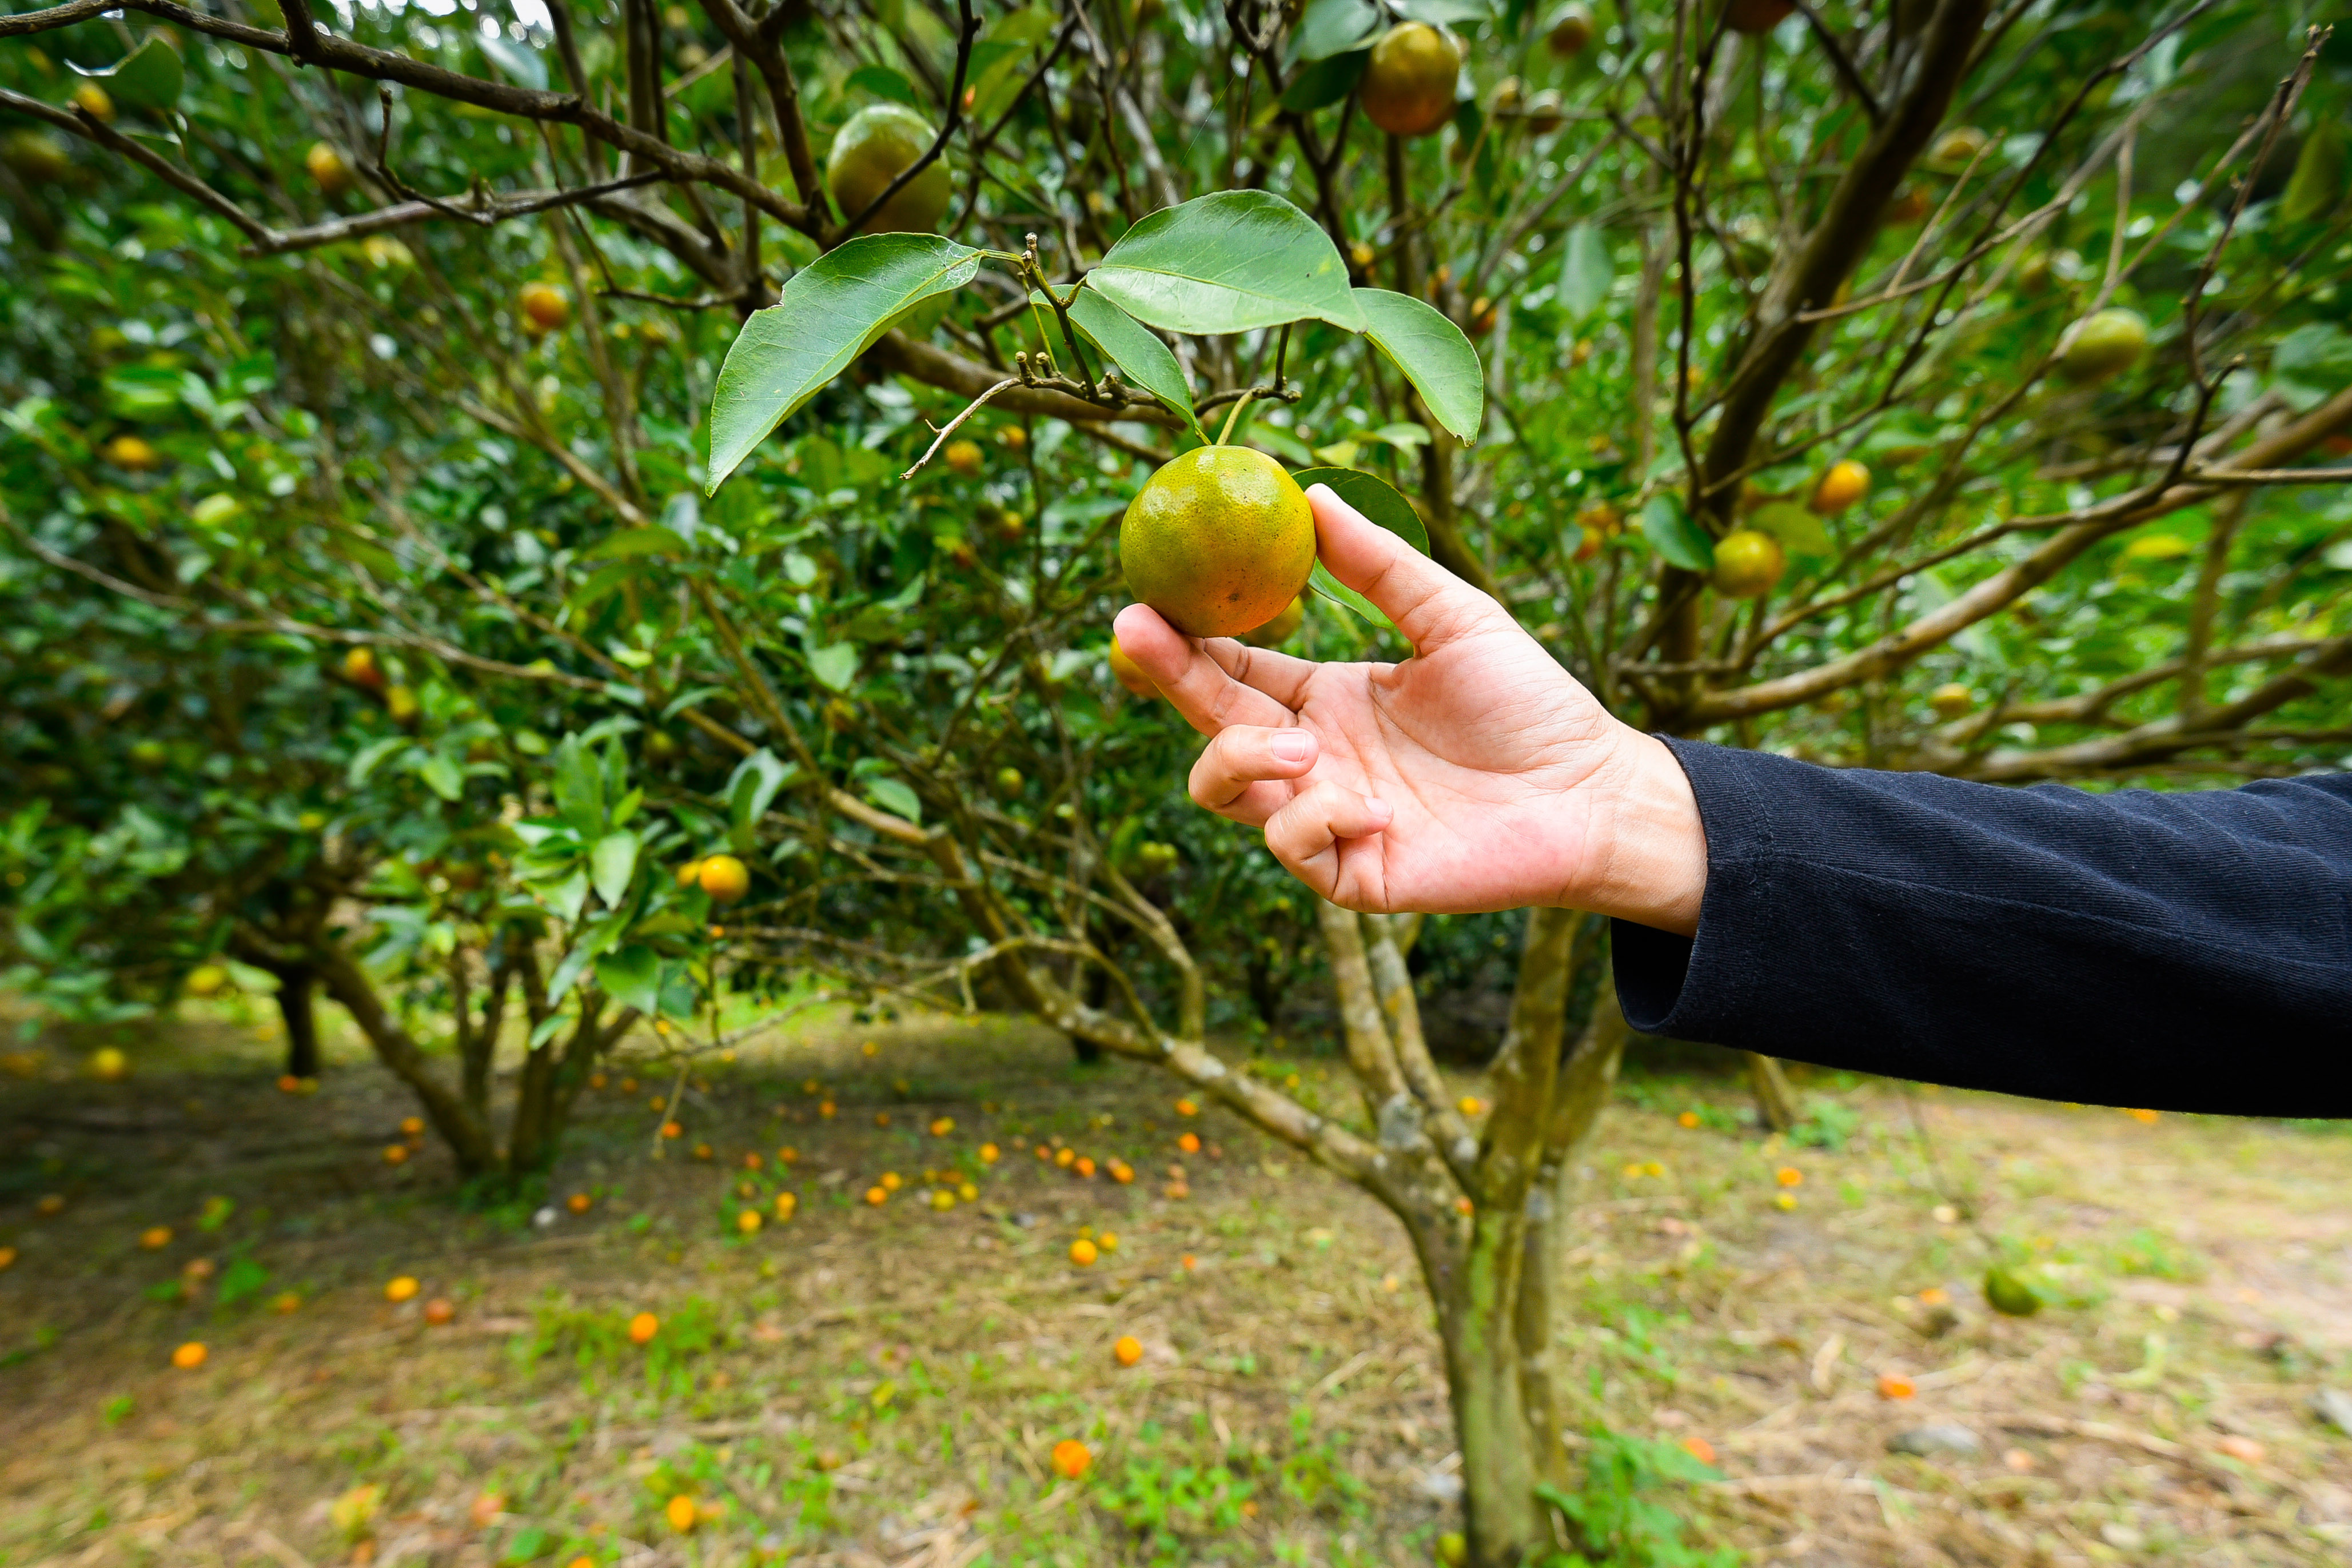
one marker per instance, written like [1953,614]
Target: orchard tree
[1930,385]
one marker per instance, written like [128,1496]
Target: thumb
[1428,603]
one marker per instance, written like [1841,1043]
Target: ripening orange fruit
[1128,1350]
[942,1125]
[1186,1108]
[327,167]
[1699,1448]
[7,1258]
[395,1154]
[440,1311]
[1687,1119]
[681,1513]
[748,1221]
[1409,79]
[412,1126]
[724,878]
[1086,1168]
[642,1327]
[1190,1143]
[877,1196]
[1844,484]
[1130,673]
[672,1130]
[545,307]
[1072,1458]
[189,1356]
[1083,1253]
[786,1203]
[1789,1176]
[987,1154]
[401,1288]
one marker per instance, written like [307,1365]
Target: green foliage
[1618,1514]
[1827,1124]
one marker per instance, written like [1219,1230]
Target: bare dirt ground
[865,1385]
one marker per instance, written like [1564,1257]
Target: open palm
[1476,774]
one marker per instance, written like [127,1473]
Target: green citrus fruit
[2100,346]
[1747,563]
[1282,628]
[868,154]
[2009,1295]
[1407,86]
[1219,540]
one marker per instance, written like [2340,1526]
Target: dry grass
[885,1387]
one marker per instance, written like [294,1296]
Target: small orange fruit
[941,1127]
[702,1151]
[963,456]
[987,1154]
[1186,1108]
[1409,79]
[1934,1296]
[1122,1172]
[1130,673]
[1065,1158]
[1083,1253]
[1072,1458]
[189,1356]
[1789,1176]
[746,1221]
[1189,1262]
[8,1258]
[681,1513]
[1895,1385]
[1699,1448]
[753,1162]
[327,167]
[288,1084]
[1470,1105]
[1844,484]
[877,1196]
[891,1181]
[545,307]
[1748,563]
[440,1311]
[485,1510]
[155,1238]
[786,1203]
[642,1327]
[131,453]
[1086,1168]
[1110,1241]
[412,1126]
[1128,1350]
[395,1154]
[724,878]
[881,1118]
[1190,1143]
[672,1130]
[1688,1119]
[578,1203]
[399,1288]
[595,1081]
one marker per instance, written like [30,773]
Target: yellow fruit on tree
[1130,673]
[690,874]
[36,157]
[362,669]
[963,457]
[1747,564]
[131,453]
[545,307]
[1842,486]
[1960,145]
[401,704]
[869,151]
[109,1064]
[91,100]
[328,169]
[1951,699]
[205,980]
[1571,33]
[1282,628]
[2100,346]
[1408,84]
[1219,540]
[724,878]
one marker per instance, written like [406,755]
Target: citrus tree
[743,404]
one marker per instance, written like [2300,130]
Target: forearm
[2044,942]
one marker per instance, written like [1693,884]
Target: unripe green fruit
[2102,346]
[869,151]
[1747,564]
[2009,1295]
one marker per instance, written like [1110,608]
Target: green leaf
[1141,356]
[881,81]
[1325,82]
[749,789]
[1794,525]
[2318,184]
[1227,263]
[1326,28]
[1433,354]
[1585,273]
[579,787]
[1375,497]
[1321,581]
[249,979]
[629,542]
[835,665]
[632,977]
[612,864]
[831,311]
[569,896]
[442,775]
[521,63]
[148,80]
[1682,541]
[893,796]
[1447,13]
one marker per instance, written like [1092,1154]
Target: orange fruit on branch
[131,453]
[869,151]
[440,1311]
[1219,540]
[328,169]
[545,307]
[1841,487]
[962,456]
[1747,564]
[724,878]
[1409,81]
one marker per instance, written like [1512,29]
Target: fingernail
[1293,746]
[1378,813]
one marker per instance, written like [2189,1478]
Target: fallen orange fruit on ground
[155,1238]
[642,1327]
[1895,1385]
[440,1311]
[1072,1458]
[1699,1448]
[1128,1350]
[578,1203]
[681,1512]
[189,1356]
[1083,1253]
[402,1288]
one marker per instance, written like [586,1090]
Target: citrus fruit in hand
[1219,540]
[1282,628]
[1407,86]
[2102,345]
[868,153]
[1747,563]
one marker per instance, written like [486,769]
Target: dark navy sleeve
[2186,951]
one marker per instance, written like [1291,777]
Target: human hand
[1476,774]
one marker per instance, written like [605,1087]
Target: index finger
[1193,682]
[1426,602]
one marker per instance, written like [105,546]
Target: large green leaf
[1136,351]
[611,865]
[146,80]
[1682,541]
[1227,263]
[1325,82]
[1326,28]
[1433,354]
[1585,273]
[830,312]
[2316,188]
[1794,525]
[632,977]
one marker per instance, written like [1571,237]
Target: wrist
[1648,854]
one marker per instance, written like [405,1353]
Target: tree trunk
[297,988]
[469,1141]
[1776,1101]
[1506,1523]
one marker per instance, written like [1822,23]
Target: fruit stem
[1242,404]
